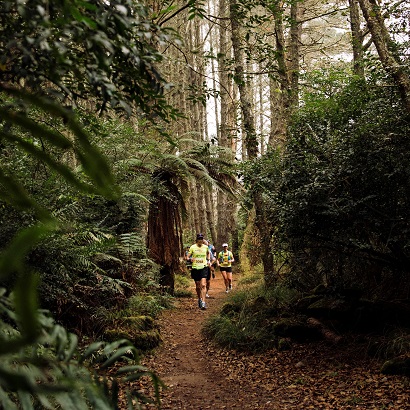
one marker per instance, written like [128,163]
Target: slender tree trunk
[357,38]
[261,116]
[245,93]
[383,42]
[250,137]
[277,131]
[210,213]
[226,127]
[295,39]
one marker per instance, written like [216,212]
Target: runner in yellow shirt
[225,259]
[200,256]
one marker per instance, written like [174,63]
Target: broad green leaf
[43,156]
[116,356]
[26,305]
[25,400]
[36,129]
[11,258]
[15,194]
[5,402]
[91,349]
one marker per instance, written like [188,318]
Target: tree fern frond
[130,244]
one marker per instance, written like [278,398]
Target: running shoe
[203,305]
[199,303]
[227,290]
[207,296]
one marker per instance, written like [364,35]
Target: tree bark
[383,43]
[250,137]
[227,121]
[357,38]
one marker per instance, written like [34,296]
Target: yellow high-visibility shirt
[225,259]
[198,255]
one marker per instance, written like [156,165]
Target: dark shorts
[198,274]
[225,268]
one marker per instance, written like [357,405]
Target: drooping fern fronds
[52,372]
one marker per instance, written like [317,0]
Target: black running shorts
[198,274]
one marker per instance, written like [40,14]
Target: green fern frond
[51,371]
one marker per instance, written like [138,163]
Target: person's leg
[203,293]
[208,281]
[195,275]
[203,288]
[198,288]
[223,272]
[229,279]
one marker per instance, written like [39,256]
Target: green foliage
[76,49]
[182,284]
[50,169]
[50,370]
[342,208]
[244,322]
[149,304]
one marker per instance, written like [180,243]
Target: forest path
[316,376]
[188,364]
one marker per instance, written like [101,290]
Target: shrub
[343,204]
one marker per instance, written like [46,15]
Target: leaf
[16,195]
[117,355]
[91,349]
[12,258]
[26,305]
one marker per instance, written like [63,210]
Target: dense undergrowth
[256,318]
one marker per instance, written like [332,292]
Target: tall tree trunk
[277,132]
[295,39]
[225,134]
[261,116]
[250,137]
[245,92]
[357,38]
[383,42]
[210,213]
[164,237]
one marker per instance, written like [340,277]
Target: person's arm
[232,258]
[189,256]
[208,257]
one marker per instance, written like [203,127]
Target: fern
[52,371]
[130,245]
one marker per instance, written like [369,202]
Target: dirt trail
[186,362]
[316,376]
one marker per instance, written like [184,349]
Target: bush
[343,205]
[246,320]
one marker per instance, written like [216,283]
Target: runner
[225,259]
[211,267]
[199,255]
[188,262]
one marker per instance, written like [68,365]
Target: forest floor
[200,375]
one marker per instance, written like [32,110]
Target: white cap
[224,244]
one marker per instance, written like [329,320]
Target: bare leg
[229,277]
[198,288]
[224,275]
[202,288]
